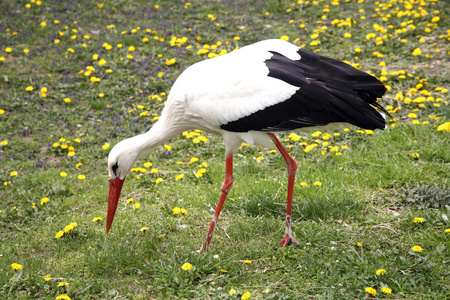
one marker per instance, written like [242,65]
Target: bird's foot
[203,248]
[288,238]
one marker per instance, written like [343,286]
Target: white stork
[245,96]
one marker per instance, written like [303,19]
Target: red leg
[226,187]
[292,169]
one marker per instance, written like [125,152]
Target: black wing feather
[329,91]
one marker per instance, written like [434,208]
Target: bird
[247,96]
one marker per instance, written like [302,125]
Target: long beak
[115,186]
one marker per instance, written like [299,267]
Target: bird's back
[273,85]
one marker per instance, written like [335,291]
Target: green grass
[359,220]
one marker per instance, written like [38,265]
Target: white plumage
[247,94]
[236,82]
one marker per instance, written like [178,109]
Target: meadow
[371,208]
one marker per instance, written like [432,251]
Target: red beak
[115,186]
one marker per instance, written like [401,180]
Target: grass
[356,196]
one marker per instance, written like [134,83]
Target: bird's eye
[115,167]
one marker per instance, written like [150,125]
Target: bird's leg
[292,169]
[226,187]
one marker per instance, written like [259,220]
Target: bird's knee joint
[226,186]
[292,168]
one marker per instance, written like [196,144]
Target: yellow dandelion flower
[179,177]
[370,291]
[370,36]
[97,219]
[62,297]
[136,205]
[380,272]
[386,290]
[316,134]
[68,228]
[318,183]
[63,283]
[59,234]
[416,52]
[245,296]
[415,156]
[105,146]
[81,177]
[186,266]
[418,220]
[16,267]
[200,173]
[249,262]
[47,277]
[417,249]
[170,62]
[435,19]
[192,160]
[176,210]
[143,229]
[232,292]
[159,180]
[444,127]
[44,200]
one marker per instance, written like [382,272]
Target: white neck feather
[156,136]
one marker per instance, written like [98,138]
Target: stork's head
[120,161]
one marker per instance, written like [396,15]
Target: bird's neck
[159,134]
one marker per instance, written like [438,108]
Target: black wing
[329,91]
